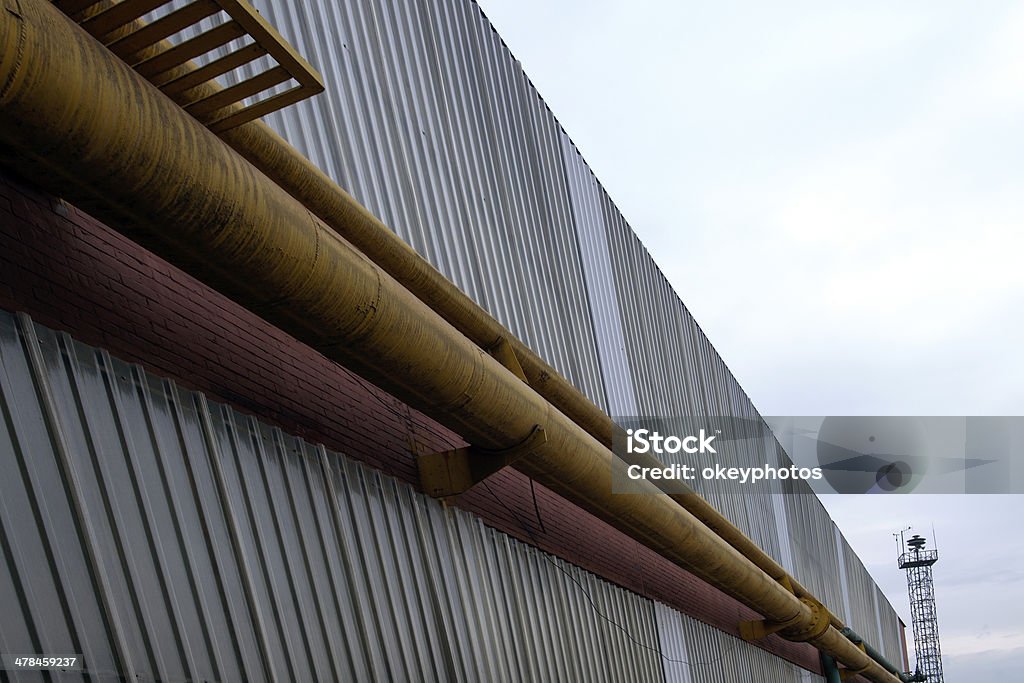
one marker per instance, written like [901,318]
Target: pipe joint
[813,627]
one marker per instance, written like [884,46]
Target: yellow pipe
[85,124]
[301,178]
[310,185]
[281,162]
[729,532]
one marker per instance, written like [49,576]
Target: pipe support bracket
[449,473]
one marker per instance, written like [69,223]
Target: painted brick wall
[72,273]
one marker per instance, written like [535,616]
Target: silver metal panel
[166,537]
[597,269]
[672,641]
[861,615]
[842,550]
[697,653]
[891,644]
[815,559]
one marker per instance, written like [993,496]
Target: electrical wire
[536,508]
[375,392]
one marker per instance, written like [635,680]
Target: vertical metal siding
[891,644]
[816,562]
[166,537]
[696,653]
[861,587]
[609,324]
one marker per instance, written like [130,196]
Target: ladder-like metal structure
[253,71]
[918,564]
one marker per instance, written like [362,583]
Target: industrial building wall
[78,275]
[163,536]
[430,122]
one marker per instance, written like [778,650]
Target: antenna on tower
[897,537]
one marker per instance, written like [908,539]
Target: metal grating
[234,35]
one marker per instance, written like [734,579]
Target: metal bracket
[762,628]
[449,473]
[796,629]
[503,352]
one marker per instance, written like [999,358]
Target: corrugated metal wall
[891,642]
[695,653]
[861,616]
[430,122]
[165,537]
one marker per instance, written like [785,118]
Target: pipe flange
[812,628]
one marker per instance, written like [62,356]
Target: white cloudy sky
[836,190]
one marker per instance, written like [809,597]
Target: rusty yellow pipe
[301,178]
[194,201]
[83,123]
[258,143]
[286,166]
[729,532]
[296,174]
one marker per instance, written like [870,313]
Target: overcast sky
[836,191]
